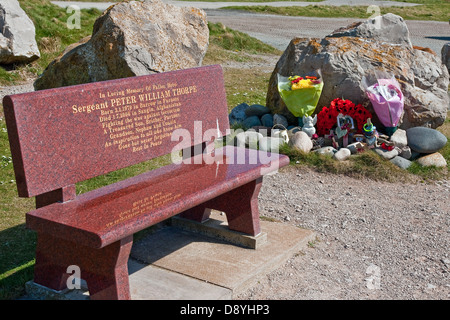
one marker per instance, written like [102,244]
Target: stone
[434,159]
[132,38]
[326,151]
[256,110]
[401,162]
[344,60]
[279,119]
[445,55]
[388,28]
[267,120]
[386,154]
[248,138]
[17,35]
[405,152]
[425,140]
[270,144]
[342,154]
[415,155]
[252,121]
[301,141]
[237,114]
[399,138]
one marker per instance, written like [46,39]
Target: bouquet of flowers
[301,94]
[386,97]
[327,117]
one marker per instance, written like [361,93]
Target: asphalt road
[279,30]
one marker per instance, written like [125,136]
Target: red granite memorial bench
[59,137]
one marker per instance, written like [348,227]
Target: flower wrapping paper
[386,97]
[300,102]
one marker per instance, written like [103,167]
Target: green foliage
[233,40]
[433,11]
[364,165]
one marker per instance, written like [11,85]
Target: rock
[386,154]
[415,155]
[386,28]
[342,154]
[406,152]
[270,144]
[252,121]
[132,38]
[425,140]
[248,138]
[256,110]
[344,60]
[326,151]
[301,141]
[237,114]
[17,35]
[434,159]
[399,138]
[445,55]
[280,120]
[401,162]
[267,120]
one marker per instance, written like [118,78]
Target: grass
[17,243]
[431,10]
[205,0]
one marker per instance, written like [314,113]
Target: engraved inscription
[143,206]
[138,118]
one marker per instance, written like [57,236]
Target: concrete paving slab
[148,282]
[217,261]
[171,263]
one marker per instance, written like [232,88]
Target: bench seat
[108,214]
[62,136]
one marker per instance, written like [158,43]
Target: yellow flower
[302,84]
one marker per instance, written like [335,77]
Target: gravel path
[375,240]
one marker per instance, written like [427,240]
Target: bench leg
[240,206]
[105,270]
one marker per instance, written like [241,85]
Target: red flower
[327,117]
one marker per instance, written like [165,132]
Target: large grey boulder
[445,55]
[132,38]
[344,60]
[388,28]
[17,34]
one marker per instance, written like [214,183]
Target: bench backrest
[62,136]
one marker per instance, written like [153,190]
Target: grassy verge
[204,0]
[431,11]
